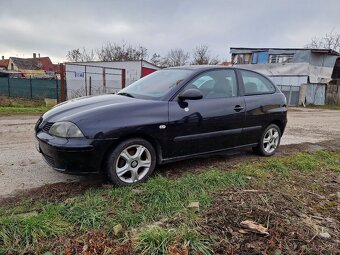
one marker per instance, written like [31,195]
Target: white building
[96,77]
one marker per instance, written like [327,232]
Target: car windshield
[156,85]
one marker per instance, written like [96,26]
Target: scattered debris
[324,235]
[117,229]
[317,195]
[253,190]
[195,206]
[254,227]
[107,186]
[27,214]
[85,248]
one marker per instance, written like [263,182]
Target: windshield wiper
[126,94]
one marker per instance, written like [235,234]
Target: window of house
[256,84]
[284,58]
[215,84]
[244,58]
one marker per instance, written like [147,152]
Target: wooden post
[85,82]
[31,86]
[56,89]
[62,83]
[9,87]
[123,78]
[90,85]
[104,80]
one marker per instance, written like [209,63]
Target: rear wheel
[132,161]
[269,141]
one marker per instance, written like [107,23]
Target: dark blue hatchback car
[172,114]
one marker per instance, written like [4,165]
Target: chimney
[3,57]
[34,55]
[38,55]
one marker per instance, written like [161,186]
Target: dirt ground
[22,167]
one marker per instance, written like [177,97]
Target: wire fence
[85,80]
[30,88]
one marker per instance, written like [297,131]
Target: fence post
[90,85]
[62,83]
[9,87]
[104,80]
[31,86]
[123,78]
[85,82]
[56,86]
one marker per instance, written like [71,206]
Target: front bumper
[75,155]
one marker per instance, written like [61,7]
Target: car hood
[76,109]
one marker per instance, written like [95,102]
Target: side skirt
[169,160]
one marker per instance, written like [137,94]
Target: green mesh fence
[30,88]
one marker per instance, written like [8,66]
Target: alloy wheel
[271,140]
[133,163]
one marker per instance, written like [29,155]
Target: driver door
[209,124]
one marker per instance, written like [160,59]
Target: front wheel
[269,141]
[132,161]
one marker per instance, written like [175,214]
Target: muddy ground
[22,167]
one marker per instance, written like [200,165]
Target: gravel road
[22,167]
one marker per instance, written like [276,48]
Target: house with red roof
[36,67]
[4,63]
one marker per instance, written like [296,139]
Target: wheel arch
[278,123]
[146,137]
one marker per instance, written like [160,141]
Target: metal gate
[292,94]
[83,80]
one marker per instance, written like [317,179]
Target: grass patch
[19,231]
[327,106]
[13,110]
[156,199]
[156,240]
[20,102]
[12,106]
[136,206]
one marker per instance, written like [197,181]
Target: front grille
[47,126]
[49,160]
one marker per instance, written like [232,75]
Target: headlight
[65,129]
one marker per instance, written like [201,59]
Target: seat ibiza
[172,114]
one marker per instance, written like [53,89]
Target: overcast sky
[54,27]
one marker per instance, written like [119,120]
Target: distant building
[103,76]
[4,63]
[226,63]
[305,76]
[36,67]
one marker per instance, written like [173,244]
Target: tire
[131,162]
[269,142]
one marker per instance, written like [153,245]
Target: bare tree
[156,59]
[201,56]
[73,55]
[77,55]
[330,40]
[87,55]
[121,52]
[175,57]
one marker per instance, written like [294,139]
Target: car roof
[199,67]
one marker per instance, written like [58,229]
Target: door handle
[238,108]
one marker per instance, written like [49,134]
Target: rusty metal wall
[333,92]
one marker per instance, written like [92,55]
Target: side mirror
[191,94]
